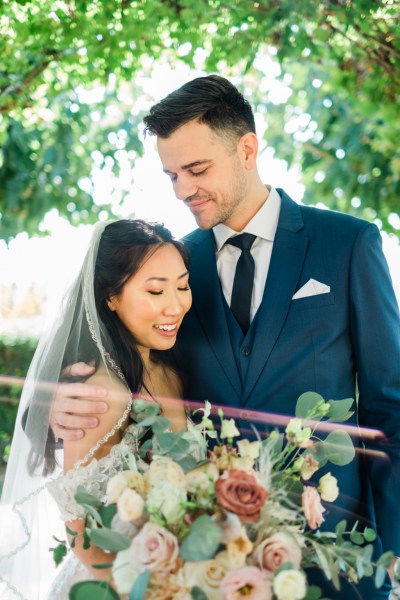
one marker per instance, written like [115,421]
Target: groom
[321,314]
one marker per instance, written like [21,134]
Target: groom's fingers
[74,408]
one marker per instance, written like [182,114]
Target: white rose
[123,572]
[168,499]
[207,574]
[290,585]
[328,488]
[130,505]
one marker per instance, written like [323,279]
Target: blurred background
[77,77]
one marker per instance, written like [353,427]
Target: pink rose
[241,494]
[154,548]
[276,550]
[312,507]
[247,582]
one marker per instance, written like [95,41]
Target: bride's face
[155,299]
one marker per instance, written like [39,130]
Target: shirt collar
[263,224]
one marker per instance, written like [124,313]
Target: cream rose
[168,499]
[163,468]
[207,574]
[123,480]
[154,548]
[290,585]
[312,507]
[130,505]
[328,488]
[276,550]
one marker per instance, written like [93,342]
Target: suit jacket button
[246,351]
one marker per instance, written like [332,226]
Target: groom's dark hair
[211,100]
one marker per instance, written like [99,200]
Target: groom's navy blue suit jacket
[331,343]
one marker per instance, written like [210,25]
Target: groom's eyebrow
[195,163]
[166,278]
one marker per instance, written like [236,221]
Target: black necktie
[244,278]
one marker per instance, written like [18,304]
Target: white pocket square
[312,288]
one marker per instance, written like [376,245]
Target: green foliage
[15,357]
[92,590]
[202,541]
[337,117]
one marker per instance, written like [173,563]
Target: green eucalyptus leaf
[338,447]
[140,586]
[107,513]
[110,540]
[92,590]
[198,594]
[369,534]
[340,529]
[83,497]
[313,593]
[357,538]
[59,553]
[385,560]
[339,410]
[202,541]
[306,404]
[380,576]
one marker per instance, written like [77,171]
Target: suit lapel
[287,260]
[208,303]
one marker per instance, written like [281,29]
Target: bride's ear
[112,304]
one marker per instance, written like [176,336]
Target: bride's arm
[74,451]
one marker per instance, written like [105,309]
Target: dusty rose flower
[130,505]
[312,507]
[290,585]
[276,550]
[309,467]
[154,548]
[240,493]
[247,582]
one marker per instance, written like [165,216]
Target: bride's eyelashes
[186,288]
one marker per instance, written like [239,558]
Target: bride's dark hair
[123,248]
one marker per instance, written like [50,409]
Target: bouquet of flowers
[205,514]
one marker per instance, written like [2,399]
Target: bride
[121,316]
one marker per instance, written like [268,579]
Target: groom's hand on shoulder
[75,405]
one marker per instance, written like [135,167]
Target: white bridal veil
[29,517]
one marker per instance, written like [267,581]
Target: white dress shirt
[263,225]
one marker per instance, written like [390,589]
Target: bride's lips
[167,332]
